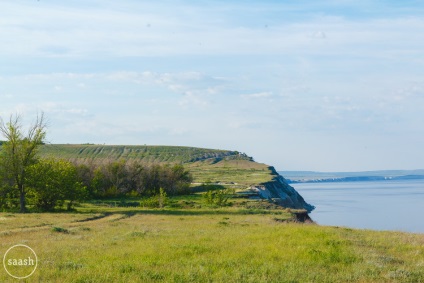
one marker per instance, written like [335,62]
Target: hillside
[206,165]
[222,167]
[145,153]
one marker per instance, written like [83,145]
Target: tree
[179,180]
[111,179]
[19,151]
[52,182]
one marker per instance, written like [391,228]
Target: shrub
[60,230]
[158,201]
[219,197]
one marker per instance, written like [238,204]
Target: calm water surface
[378,205]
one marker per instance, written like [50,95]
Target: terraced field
[143,153]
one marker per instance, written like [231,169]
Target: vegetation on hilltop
[206,165]
[237,172]
[144,153]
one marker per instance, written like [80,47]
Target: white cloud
[192,99]
[257,95]
[118,71]
[55,30]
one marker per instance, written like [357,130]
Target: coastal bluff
[228,168]
[280,192]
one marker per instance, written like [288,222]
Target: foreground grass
[206,245]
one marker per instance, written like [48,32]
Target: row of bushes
[52,183]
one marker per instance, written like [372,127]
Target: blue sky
[301,85]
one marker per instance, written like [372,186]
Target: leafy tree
[180,180]
[117,175]
[129,177]
[52,182]
[85,174]
[135,173]
[151,179]
[111,179]
[8,198]
[19,152]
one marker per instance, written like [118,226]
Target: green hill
[143,153]
[222,167]
[206,165]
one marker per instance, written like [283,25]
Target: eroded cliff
[280,192]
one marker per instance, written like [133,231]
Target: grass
[234,244]
[237,172]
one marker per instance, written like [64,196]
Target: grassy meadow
[99,243]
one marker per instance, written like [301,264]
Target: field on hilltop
[145,153]
[206,165]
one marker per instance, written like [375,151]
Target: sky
[335,85]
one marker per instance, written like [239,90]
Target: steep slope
[280,192]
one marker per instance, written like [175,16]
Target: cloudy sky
[335,85]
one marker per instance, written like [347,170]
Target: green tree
[176,179]
[52,182]
[111,179]
[19,152]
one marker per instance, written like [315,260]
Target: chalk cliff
[280,192]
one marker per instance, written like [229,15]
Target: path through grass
[207,245]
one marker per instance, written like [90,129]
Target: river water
[378,205]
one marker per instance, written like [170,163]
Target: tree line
[46,184]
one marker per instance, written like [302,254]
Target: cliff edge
[280,192]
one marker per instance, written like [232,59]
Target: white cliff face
[280,192]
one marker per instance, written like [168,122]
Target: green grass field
[115,244]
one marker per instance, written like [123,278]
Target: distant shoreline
[293,177]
